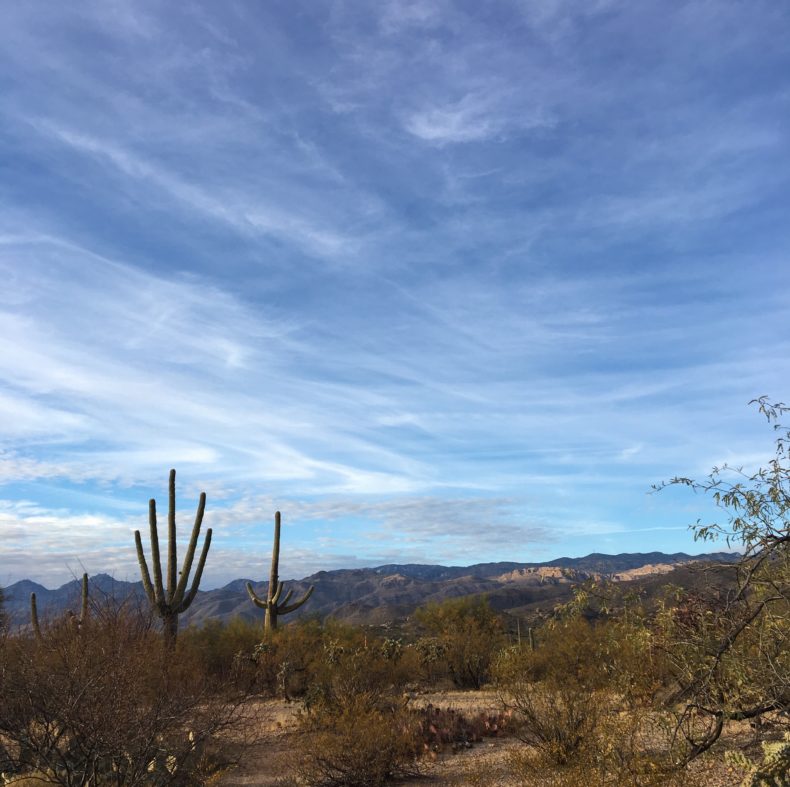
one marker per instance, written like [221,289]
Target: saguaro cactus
[77,622]
[272,604]
[169,604]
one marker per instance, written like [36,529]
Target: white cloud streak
[415,265]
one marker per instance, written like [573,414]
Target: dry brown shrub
[356,730]
[626,748]
[463,636]
[583,709]
[358,746]
[106,704]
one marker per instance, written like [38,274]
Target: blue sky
[442,281]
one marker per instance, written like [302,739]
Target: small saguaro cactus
[77,622]
[272,604]
[169,604]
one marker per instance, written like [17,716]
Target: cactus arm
[144,573]
[273,599]
[198,574]
[156,563]
[34,616]
[259,602]
[172,557]
[84,600]
[190,554]
[296,604]
[287,598]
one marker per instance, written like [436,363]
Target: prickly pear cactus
[391,649]
[773,771]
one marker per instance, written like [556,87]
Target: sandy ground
[270,762]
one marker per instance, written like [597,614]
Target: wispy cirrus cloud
[421,274]
[476,116]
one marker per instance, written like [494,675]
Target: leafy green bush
[731,655]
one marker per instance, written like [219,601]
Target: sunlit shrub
[463,637]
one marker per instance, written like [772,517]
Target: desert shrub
[729,659]
[559,691]
[356,727]
[358,744]
[302,659]
[220,648]
[362,670]
[636,664]
[557,720]
[431,655]
[107,705]
[292,659]
[463,635]
[620,645]
[288,657]
[568,707]
[619,754]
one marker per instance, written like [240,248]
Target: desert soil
[270,760]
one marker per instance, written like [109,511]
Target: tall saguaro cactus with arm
[272,604]
[171,602]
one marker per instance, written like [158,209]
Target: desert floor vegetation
[595,696]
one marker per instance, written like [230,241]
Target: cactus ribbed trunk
[270,620]
[170,630]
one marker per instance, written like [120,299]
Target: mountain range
[390,593]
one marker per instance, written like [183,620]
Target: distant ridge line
[381,593]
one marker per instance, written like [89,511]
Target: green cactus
[77,622]
[272,604]
[169,604]
[774,770]
[34,617]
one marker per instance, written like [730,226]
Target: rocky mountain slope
[385,593]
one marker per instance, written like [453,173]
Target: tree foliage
[730,652]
